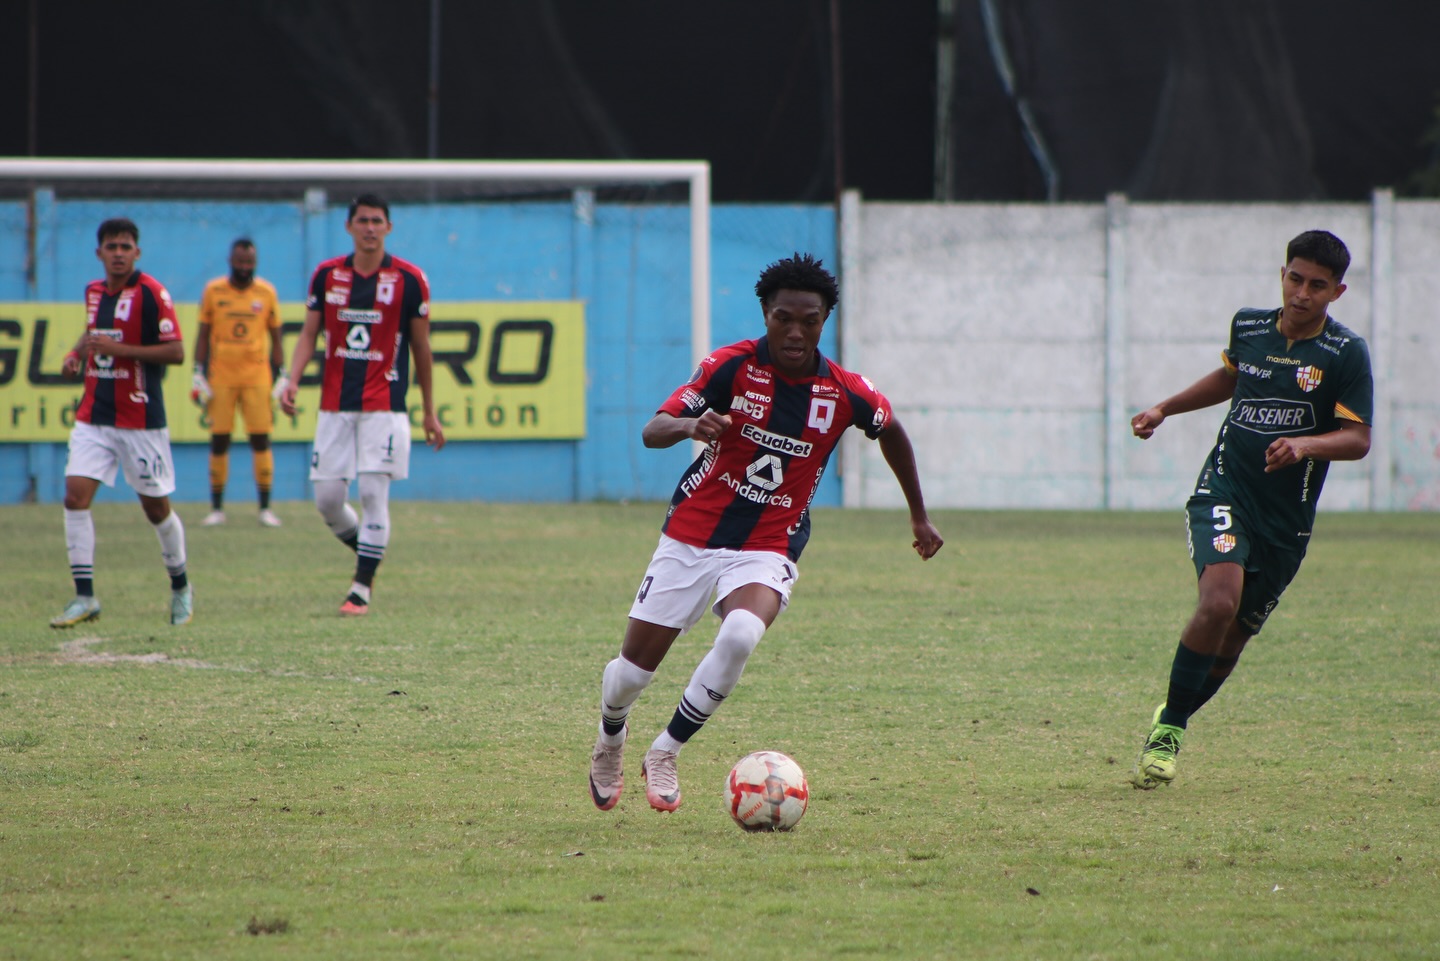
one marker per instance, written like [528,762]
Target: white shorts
[681,579]
[352,442]
[97,451]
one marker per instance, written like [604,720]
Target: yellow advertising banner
[504,370]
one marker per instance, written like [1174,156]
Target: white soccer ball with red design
[766,791]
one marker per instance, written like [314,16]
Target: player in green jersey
[1301,395]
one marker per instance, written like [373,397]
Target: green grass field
[273,782]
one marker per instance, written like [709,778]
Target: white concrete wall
[1017,340]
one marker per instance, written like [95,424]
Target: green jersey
[1284,390]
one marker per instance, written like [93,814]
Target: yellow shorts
[254,404]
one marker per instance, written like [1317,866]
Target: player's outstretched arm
[900,455]
[667,430]
[1214,388]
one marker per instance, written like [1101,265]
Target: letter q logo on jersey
[822,414]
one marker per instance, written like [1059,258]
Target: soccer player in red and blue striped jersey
[770,412]
[375,311]
[131,333]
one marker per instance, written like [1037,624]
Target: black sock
[85,586]
[264,500]
[365,568]
[686,723]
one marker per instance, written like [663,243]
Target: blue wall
[630,263]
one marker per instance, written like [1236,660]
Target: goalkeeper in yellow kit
[233,368]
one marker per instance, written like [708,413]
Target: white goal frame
[572,174]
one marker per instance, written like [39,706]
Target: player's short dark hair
[1323,248]
[367,200]
[116,226]
[800,272]
[241,243]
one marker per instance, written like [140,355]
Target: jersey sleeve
[709,388]
[272,304]
[315,295]
[421,307]
[1230,356]
[870,410]
[207,305]
[158,324]
[1355,401]
[416,299]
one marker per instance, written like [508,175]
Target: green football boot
[1157,759]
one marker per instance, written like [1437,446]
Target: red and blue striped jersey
[751,488]
[119,391]
[366,320]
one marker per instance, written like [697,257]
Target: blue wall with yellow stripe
[628,262]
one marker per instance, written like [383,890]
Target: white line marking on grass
[77,651]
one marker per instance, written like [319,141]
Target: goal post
[501,176]
[527,259]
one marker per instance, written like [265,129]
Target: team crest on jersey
[256,307]
[1224,543]
[1309,378]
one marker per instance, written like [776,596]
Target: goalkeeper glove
[281,382]
[200,391]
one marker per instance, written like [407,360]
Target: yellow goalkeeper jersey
[241,323]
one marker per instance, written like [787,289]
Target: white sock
[719,671]
[80,543]
[620,687]
[172,543]
[375,508]
[666,742]
[339,516]
[360,591]
[715,677]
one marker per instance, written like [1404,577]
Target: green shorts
[1218,533]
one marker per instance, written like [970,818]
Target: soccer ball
[766,791]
